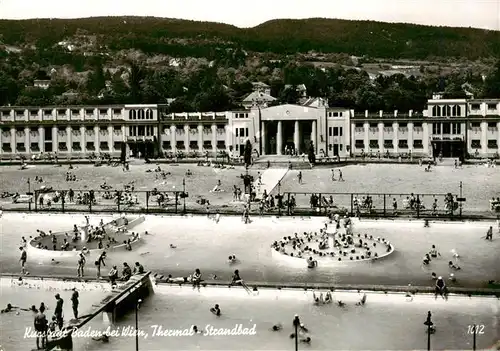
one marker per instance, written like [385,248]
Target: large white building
[453,128]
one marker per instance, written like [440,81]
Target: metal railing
[377,205]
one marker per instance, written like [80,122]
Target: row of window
[388,144]
[193,144]
[62,146]
[400,125]
[417,144]
[48,130]
[335,131]
[241,132]
[491,144]
[335,114]
[447,111]
[140,114]
[478,106]
[61,112]
[141,131]
[241,115]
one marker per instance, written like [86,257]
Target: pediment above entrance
[290,112]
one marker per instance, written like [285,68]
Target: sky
[249,13]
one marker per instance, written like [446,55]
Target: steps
[270,178]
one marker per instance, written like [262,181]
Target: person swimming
[232,259]
[451,265]
[434,252]
[328,297]
[104,338]
[215,310]
[311,263]
[277,327]
[9,308]
[362,301]
[426,260]
[318,300]
[434,276]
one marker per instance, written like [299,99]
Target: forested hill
[203,39]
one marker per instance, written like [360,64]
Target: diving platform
[119,302]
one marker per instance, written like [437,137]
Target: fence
[287,204]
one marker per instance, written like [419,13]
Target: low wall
[33,250]
[323,261]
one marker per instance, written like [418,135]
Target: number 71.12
[476,328]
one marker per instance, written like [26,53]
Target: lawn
[199,184]
[480,184]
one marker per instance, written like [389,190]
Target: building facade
[452,128]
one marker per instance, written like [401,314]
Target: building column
[83,140]
[214,139]
[27,140]
[279,138]
[41,139]
[229,138]
[13,141]
[425,138]
[498,137]
[395,137]
[69,139]
[111,144]
[366,137]
[410,136]
[96,139]
[263,137]
[296,137]
[186,137]
[55,139]
[173,138]
[484,138]
[200,138]
[313,136]
[381,138]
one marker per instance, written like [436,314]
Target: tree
[247,154]
[492,83]
[311,154]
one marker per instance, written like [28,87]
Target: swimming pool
[386,322]
[203,244]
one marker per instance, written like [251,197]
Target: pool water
[386,322]
[203,244]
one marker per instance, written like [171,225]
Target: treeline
[199,39]
[215,88]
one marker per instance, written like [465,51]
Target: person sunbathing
[170,279]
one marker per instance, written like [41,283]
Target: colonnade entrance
[281,137]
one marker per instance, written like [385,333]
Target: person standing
[100,262]
[58,312]
[340,176]
[489,234]
[75,302]
[22,259]
[81,264]
[299,177]
[41,326]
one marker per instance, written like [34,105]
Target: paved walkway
[270,178]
